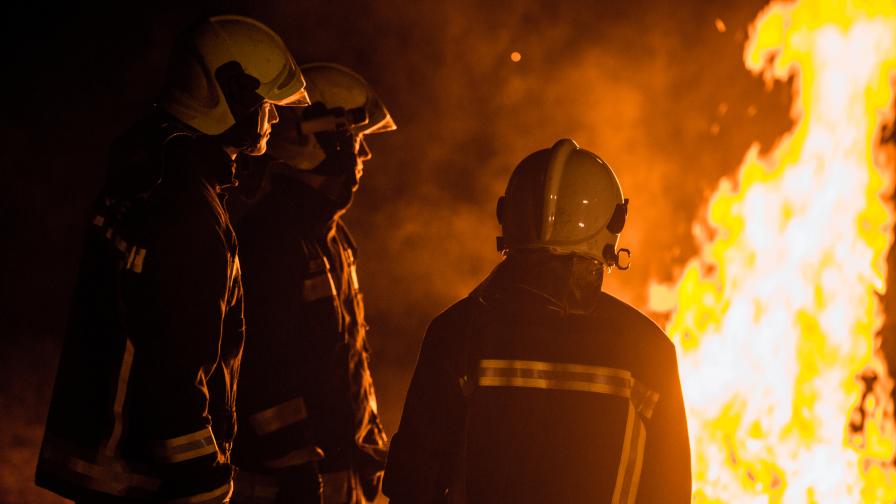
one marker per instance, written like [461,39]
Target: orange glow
[515,56]
[720,25]
[776,317]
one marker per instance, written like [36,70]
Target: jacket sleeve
[222,384]
[186,289]
[666,476]
[424,454]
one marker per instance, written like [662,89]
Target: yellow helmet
[567,200]
[224,68]
[335,86]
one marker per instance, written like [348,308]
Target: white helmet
[224,68]
[341,100]
[567,200]
[335,86]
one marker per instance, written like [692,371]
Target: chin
[257,150]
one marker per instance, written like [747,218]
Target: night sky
[655,88]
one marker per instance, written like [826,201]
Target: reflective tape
[111,478]
[584,378]
[250,488]
[280,416]
[134,255]
[216,496]
[318,264]
[562,376]
[296,458]
[124,373]
[337,487]
[631,459]
[134,262]
[318,287]
[186,447]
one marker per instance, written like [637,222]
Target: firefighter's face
[267,116]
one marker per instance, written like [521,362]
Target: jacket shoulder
[628,315]
[448,328]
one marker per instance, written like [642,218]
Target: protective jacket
[308,405]
[516,399]
[143,405]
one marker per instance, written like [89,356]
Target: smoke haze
[655,88]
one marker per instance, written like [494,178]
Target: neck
[310,207]
[572,283]
[231,151]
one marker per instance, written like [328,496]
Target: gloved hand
[371,459]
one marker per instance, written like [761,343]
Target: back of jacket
[515,399]
[573,408]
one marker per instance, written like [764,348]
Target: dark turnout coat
[307,399]
[516,401]
[143,405]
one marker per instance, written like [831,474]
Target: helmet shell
[337,86]
[195,96]
[562,199]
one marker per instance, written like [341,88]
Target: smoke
[653,87]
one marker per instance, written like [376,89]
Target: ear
[499,210]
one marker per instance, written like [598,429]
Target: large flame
[786,390]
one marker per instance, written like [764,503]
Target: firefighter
[307,400]
[538,387]
[143,405]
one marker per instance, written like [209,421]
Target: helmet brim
[297,99]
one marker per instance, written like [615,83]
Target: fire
[787,392]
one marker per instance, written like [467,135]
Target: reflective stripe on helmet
[186,447]
[216,496]
[559,154]
[280,416]
[563,376]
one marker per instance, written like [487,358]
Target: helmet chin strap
[621,259]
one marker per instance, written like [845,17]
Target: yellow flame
[777,317]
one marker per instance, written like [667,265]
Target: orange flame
[788,395]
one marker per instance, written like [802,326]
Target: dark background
[654,87]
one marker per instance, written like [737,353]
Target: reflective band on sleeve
[250,488]
[135,258]
[318,287]
[355,283]
[110,478]
[280,416]
[337,487]
[296,458]
[216,496]
[319,264]
[561,376]
[186,447]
